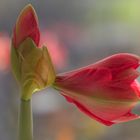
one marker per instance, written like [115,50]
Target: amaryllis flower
[107,91]
[31,64]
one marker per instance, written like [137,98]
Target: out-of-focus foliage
[4,52]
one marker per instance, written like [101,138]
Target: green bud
[32,67]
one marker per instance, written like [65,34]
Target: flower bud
[31,65]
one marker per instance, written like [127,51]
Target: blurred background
[77,33]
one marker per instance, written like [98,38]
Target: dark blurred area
[77,33]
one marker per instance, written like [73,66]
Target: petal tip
[29,8]
[26,26]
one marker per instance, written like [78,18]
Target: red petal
[84,80]
[124,79]
[86,111]
[105,114]
[127,117]
[121,61]
[26,26]
[136,87]
[127,76]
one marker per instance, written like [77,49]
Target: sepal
[32,67]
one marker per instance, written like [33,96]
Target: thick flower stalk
[31,64]
[107,91]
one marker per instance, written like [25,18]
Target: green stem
[25,121]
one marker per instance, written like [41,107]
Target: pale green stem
[25,121]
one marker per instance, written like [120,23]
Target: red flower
[26,26]
[106,91]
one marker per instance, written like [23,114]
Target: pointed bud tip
[26,26]
[28,9]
